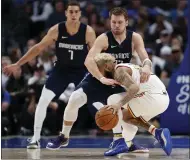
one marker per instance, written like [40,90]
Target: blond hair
[103,58]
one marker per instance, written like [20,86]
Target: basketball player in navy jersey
[95,88]
[72,39]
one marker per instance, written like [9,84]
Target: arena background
[163,24]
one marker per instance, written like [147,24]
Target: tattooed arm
[122,75]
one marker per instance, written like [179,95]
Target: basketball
[105,119]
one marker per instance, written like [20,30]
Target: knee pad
[47,94]
[115,98]
[98,105]
[77,99]
[46,97]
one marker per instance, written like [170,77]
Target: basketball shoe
[164,138]
[58,142]
[33,144]
[116,147]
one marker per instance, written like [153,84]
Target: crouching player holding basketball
[141,102]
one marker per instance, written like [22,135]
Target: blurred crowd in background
[162,24]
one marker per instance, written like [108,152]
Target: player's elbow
[134,89]
[39,48]
[36,50]
[88,61]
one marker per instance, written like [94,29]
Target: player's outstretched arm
[34,51]
[49,39]
[140,49]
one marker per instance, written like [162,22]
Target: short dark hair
[117,11]
[73,3]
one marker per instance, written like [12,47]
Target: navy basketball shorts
[59,80]
[97,92]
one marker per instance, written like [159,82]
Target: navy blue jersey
[71,50]
[94,89]
[122,52]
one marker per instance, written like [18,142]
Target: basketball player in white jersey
[141,102]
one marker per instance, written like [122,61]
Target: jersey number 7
[72,54]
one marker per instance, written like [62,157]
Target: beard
[118,32]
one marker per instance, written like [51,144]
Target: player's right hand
[10,69]
[108,81]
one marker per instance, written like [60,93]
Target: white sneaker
[33,144]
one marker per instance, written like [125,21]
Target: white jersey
[153,85]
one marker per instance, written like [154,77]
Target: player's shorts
[59,80]
[96,91]
[145,104]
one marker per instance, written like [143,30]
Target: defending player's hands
[10,69]
[145,74]
[114,107]
[108,81]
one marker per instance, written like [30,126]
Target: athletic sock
[152,130]
[66,130]
[117,136]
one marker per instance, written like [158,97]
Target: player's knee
[46,97]
[78,98]
[114,98]
[47,94]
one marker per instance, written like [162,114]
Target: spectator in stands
[15,54]
[157,62]
[166,53]
[89,10]
[16,86]
[108,6]
[5,103]
[177,41]
[57,16]
[162,41]
[41,12]
[30,68]
[5,61]
[133,8]
[180,11]
[96,23]
[142,23]
[160,24]
[172,64]
[30,43]
[45,60]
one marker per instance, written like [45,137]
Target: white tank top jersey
[153,85]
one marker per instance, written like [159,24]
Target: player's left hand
[114,107]
[10,69]
[145,74]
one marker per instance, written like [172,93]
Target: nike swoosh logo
[64,37]
[113,46]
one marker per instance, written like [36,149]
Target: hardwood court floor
[91,153]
